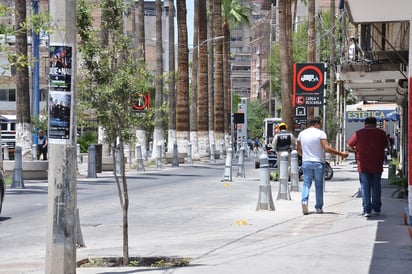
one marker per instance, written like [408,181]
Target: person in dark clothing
[42,143]
[369,144]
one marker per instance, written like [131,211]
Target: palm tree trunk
[23,124]
[219,105]
[226,80]
[140,131]
[182,115]
[158,136]
[210,72]
[311,42]
[172,79]
[195,69]
[202,118]
[285,43]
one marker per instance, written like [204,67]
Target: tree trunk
[202,113]
[219,105]
[158,137]
[182,115]
[23,121]
[227,108]
[285,43]
[172,78]
[195,69]
[141,135]
[311,42]
[210,73]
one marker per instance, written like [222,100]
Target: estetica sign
[380,115]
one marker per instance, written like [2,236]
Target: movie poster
[60,73]
[59,115]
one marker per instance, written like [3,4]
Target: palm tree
[210,71]
[182,108]
[233,14]
[140,131]
[195,69]
[311,41]
[158,136]
[172,82]
[203,98]
[23,124]
[285,43]
[219,97]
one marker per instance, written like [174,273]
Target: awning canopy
[380,115]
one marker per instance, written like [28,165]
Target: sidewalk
[280,241]
[203,226]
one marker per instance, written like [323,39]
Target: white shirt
[312,149]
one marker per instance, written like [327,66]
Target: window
[8,95]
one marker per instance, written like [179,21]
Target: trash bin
[391,172]
[99,157]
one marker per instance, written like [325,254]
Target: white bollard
[189,154]
[159,156]
[294,171]
[241,165]
[139,158]
[228,166]
[265,201]
[175,160]
[212,153]
[284,177]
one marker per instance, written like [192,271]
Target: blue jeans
[313,171]
[371,191]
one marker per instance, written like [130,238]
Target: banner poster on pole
[60,73]
[59,115]
[60,93]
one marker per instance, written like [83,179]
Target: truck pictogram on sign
[309,78]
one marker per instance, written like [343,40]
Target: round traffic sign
[309,78]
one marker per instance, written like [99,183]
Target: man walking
[369,144]
[312,144]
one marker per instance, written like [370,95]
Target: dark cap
[370,121]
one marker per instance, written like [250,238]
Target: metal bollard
[159,156]
[228,166]
[241,165]
[222,151]
[265,201]
[175,160]
[78,155]
[34,152]
[6,152]
[91,163]
[212,153]
[118,164]
[284,177]
[189,154]
[139,158]
[18,181]
[294,171]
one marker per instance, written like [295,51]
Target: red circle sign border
[315,87]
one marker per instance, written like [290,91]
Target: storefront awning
[380,115]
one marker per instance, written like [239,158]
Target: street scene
[192,212]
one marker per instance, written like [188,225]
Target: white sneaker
[305,208]
[366,214]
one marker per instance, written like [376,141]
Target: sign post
[62,179]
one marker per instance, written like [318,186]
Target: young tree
[110,81]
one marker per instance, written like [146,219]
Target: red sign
[309,78]
[142,102]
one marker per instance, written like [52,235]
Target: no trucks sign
[308,84]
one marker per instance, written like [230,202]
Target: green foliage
[86,139]
[110,79]
[256,115]
[40,122]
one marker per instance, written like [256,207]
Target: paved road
[189,212]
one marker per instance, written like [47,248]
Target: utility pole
[62,179]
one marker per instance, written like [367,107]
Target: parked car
[2,189]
